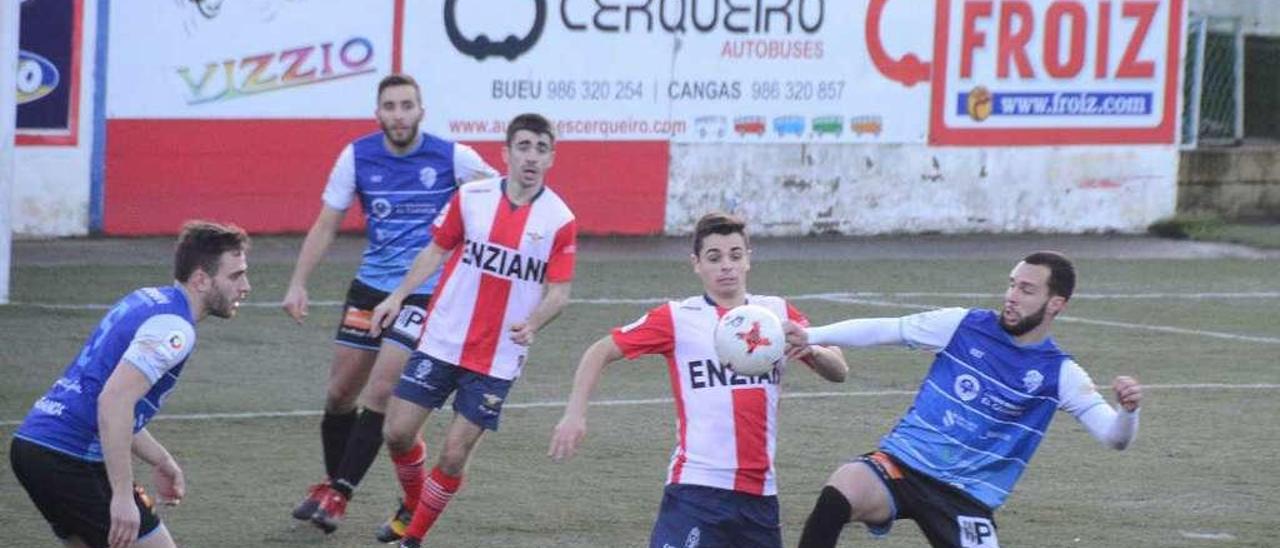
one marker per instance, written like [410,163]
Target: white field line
[1073,319]
[657,401]
[802,297]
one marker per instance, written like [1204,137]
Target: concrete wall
[1259,16]
[51,190]
[874,189]
[1235,183]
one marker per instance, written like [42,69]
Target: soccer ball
[749,340]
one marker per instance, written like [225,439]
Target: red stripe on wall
[267,175]
[751,431]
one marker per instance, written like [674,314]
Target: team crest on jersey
[967,387]
[534,236]
[428,177]
[1032,380]
[380,207]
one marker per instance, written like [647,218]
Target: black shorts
[73,495]
[946,515]
[357,312]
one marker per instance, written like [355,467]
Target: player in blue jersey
[402,178]
[981,412]
[73,451]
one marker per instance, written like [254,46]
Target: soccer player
[979,416]
[73,452]
[403,178]
[721,487]
[513,245]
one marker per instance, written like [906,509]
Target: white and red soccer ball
[749,340]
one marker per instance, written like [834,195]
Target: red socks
[436,493]
[410,472]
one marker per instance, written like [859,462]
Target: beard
[220,305]
[1026,324]
[404,143]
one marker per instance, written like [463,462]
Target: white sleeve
[160,343]
[341,188]
[469,166]
[927,330]
[1077,395]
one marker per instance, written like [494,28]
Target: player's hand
[295,303]
[799,352]
[566,438]
[797,339]
[522,333]
[124,520]
[170,483]
[1128,392]
[384,314]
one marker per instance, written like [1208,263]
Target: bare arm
[554,299]
[115,430]
[827,361]
[425,263]
[166,475]
[319,238]
[572,428]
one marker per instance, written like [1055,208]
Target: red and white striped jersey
[726,424]
[503,255]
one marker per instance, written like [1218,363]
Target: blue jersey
[982,410]
[400,196]
[150,329]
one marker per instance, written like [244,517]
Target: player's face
[723,264]
[229,286]
[528,157]
[399,113]
[1027,301]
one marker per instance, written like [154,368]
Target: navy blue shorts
[428,382]
[707,517]
[357,313]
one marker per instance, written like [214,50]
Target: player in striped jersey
[721,488]
[402,178]
[73,451]
[510,244]
[983,409]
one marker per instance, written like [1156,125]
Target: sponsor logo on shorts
[977,532]
[694,538]
[491,405]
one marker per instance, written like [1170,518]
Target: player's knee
[340,399]
[399,439]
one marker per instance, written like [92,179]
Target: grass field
[1203,334]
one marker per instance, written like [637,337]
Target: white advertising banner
[247,59]
[683,70]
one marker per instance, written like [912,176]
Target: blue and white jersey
[150,329]
[400,196]
[986,403]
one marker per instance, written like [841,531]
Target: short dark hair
[1062,274]
[201,245]
[717,222]
[529,121]
[397,79]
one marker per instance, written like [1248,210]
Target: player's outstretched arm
[115,430]
[314,246]
[166,476]
[568,434]
[554,299]
[426,262]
